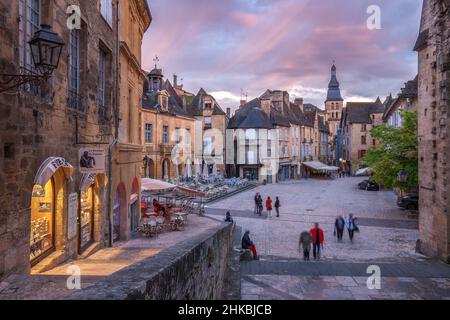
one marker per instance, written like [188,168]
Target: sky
[224,46]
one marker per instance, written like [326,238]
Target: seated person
[157,207]
[228,217]
[248,244]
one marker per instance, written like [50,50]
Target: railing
[76,102]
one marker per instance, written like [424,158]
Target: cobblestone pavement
[52,285]
[387,236]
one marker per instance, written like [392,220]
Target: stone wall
[434,142]
[192,270]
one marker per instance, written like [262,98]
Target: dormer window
[208,104]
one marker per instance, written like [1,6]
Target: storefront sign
[48,169]
[92,160]
[72,213]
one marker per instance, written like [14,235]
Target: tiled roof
[195,107]
[359,112]
[250,116]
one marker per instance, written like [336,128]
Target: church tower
[334,103]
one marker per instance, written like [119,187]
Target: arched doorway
[134,206]
[48,209]
[166,169]
[119,211]
[43,206]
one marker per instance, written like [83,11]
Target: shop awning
[87,180]
[49,168]
[319,166]
[157,186]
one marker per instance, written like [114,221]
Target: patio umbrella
[205,171]
[166,176]
[148,184]
[188,173]
[214,170]
[198,169]
[177,172]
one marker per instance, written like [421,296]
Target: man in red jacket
[318,238]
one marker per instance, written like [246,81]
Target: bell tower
[334,103]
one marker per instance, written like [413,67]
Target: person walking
[259,204]
[256,202]
[339,226]
[269,207]
[305,244]
[350,223]
[248,244]
[277,206]
[317,240]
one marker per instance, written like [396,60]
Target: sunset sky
[226,45]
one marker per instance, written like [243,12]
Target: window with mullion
[74,70]
[29,23]
[101,82]
[148,133]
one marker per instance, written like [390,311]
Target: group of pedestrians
[316,236]
[269,205]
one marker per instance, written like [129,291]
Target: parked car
[369,185]
[409,202]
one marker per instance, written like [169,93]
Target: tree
[397,150]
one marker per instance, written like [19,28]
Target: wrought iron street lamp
[46,47]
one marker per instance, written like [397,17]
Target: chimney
[243,102]
[175,81]
[265,106]
[298,102]
[229,113]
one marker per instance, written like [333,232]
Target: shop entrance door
[86,219]
[42,237]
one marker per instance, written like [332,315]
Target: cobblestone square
[387,237]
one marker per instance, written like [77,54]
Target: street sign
[92,160]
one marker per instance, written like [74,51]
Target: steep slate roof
[310,118]
[359,112]
[311,107]
[408,92]
[175,106]
[334,92]
[195,107]
[250,116]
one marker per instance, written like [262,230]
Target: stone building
[182,131]
[325,154]
[135,19]
[357,121]
[168,130]
[272,117]
[42,193]
[433,47]
[406,100]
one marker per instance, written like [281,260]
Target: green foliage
[397,149]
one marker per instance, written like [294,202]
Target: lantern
[46,47]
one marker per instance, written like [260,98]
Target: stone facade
[358,119]
[43,122]
[433,47]
[180,129]
[135,19]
